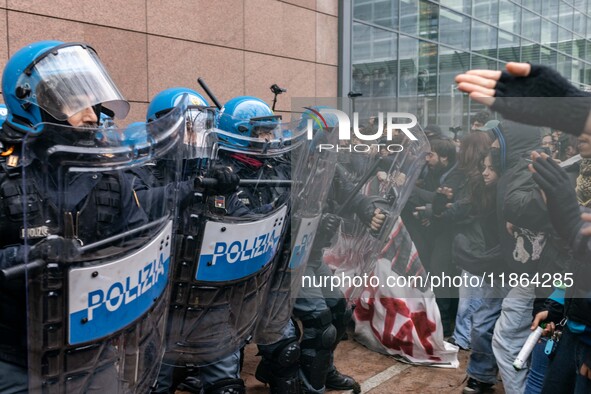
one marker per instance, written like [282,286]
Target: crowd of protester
[513,199]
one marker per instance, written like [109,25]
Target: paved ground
[379,374]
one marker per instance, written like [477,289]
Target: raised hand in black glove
[56,249]
[227,180]
[561,198]
[543,98]
[372,212]
[327,228]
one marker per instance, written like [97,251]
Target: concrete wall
[238,46]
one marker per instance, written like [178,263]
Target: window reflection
[487,10]
[454,29]
[379,12]
[374,57]
[412,49]
[530,26]
[509,16]
[484,39]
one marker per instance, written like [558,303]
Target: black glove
[439,203]
[561,198]
[227,180]
[328,226]
[56,249]
[543,98]
[367,207]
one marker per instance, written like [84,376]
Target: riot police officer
[55,93]
[261,151]
[324,312]
[192,368]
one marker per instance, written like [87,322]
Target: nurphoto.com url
[440,280]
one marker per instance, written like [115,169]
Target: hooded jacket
[532,246]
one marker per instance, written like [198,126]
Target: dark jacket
[578,304]
[531,248]
[100,205]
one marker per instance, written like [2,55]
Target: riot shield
[312,172]
[227,250]
[99,231]
[383,173]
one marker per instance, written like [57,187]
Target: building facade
[412,49]
[237,46]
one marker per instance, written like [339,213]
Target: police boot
[227,386]
[280,371]
[337,381]
[318,340]
[191,385]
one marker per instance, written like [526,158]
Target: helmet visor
[198,138]
[70,79]
[264,136]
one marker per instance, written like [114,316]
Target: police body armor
[100,254]
[312,171]
[225,262]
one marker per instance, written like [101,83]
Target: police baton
[18,271]
[248,182]
[209,93]
[368,174]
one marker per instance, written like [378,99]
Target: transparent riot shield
[312,172]
[378,174]
[229,244]
[99,233]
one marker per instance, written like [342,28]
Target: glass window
[550,9]
[451,110]
[530,52]
[509,16]
[579,24]
[581,5]
[374,57]
[530,26]
[564,66]
[458,5]
[484,39]
[409,66]
[565,40]
[454,29]
[361,50]
[577,71]
[534,5]
[509,45]
[579,46]
[587,74]
[548,57]
[487,10]
[409,16]
[429,17]
[427,75]
[565,16]
[479,62]
[549,33]
[379,12]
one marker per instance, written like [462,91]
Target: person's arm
[582,241]
[532,94]
[523,204]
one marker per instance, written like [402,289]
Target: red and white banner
[392,315]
